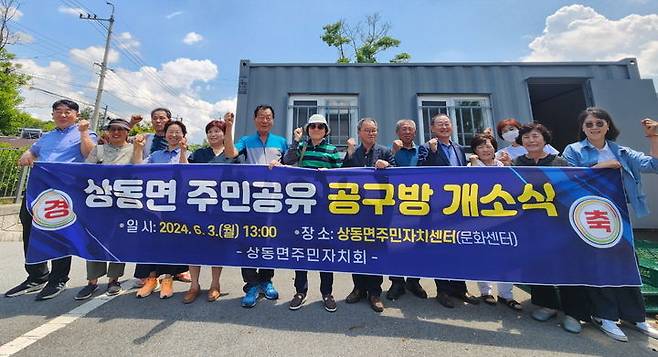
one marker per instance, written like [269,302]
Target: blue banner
[565,226]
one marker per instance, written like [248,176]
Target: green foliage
[141,128]
[366,40]
[401,58]
[334,35]
[12,118]
[86,113]
[9,171]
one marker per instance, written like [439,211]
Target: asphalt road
[410,326]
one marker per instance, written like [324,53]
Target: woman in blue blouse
[597,149]
[176,152]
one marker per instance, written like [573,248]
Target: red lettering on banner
[56,209]
[598,220]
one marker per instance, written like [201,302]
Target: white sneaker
[544,314]
[645,328]
[610,328]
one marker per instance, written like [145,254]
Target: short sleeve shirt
[256,152]
[60,145]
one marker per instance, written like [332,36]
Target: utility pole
[104,116]
[101,80]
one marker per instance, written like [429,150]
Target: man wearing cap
[117,151]
[68,142]
[405,152]
[368,154]
[261,148]
[314,153]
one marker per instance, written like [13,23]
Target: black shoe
[376,304]
[86,292]
[329,303]
[355,296]
[113,288]
[51,290]
[395,291]
[468,298]
[416,289]
[511,303]
[445,300]
[25,287]
[297,301]
[488,299]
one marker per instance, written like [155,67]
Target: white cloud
[192,38]
[93,54]
[75,11]
[127,41]
[182,76]
[579,33]
[23,37]
[137,91]
[55,77]
[173,14]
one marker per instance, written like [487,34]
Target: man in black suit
[368,154]
[441,151]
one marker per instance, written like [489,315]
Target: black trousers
[573,300]
[253,276]
[617,303]
[371,284]
[326,282]
[144,270]
[39,272]
[450,287]
[400,280]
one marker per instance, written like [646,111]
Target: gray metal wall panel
[388,92]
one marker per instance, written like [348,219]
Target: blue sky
[201,75]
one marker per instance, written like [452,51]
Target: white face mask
[511,135]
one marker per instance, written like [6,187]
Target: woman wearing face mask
[597,149]
[508,130]
[174,153]
[573,300]
[484,147]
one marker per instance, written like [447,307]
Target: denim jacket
[633,163]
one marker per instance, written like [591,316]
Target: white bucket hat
[317,119]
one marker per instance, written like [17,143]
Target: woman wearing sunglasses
[314,153]
[597,149]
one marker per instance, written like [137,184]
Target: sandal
[488,299]
[511,303]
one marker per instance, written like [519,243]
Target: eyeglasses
[599,124]
[115,128]
[316,126]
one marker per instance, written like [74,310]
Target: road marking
[19,343]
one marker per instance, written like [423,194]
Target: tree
[366,40]
[141,128]
[85,113]
[11,80]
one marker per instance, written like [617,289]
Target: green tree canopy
[367,40]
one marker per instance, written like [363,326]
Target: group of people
[529,145]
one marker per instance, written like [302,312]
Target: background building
[474,95]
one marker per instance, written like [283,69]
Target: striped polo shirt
[323,155]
